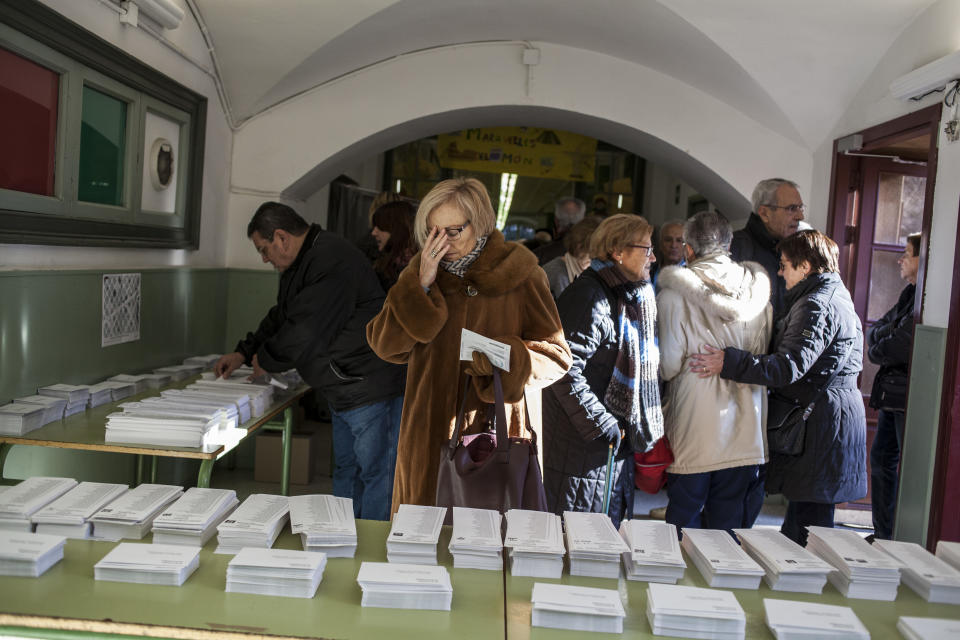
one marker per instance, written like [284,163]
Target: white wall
[104,22]
[660,202]
[934,33]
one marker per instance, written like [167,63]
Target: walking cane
[606,485]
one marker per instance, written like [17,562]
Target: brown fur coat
[511,302]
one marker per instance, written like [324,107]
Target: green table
[880,618]
[67,599]
[85,431]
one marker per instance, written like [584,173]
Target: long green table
[85,431]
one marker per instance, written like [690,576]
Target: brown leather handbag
[489,470]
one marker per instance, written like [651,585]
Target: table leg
[4,450]
[287,441]
[139,473]
[153,469]
[206,469]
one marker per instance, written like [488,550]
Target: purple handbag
[489,470]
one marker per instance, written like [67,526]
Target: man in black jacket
[328,292]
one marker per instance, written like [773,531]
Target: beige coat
[505,296]
[713,423]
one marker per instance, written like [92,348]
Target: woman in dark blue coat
[819,333]
[609,320]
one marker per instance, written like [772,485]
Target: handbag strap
[829,381]
[499,421]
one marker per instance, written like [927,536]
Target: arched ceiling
[790,65]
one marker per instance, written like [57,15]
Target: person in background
[668,248]
[563,270]
[566,213]
[328,292]
[714,426]
[819,333]
[393,231]
[890,345]
[466,276]
[609,317]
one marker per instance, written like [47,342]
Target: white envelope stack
[276,572]
[593,544]
[157,380]
[720,560]
[477,542]
[189,402]
[414,534]
[76,396]
[949,552]
[117,391]
[787,566]
[261,395]
[69,515]
[562,606]
[913,628]
[131,515]
[139,382]
[692,612]
[204,362]
[53,407]
[535,541]
[166,564]
[18,418]
[100,393]
[930,577]
[404,586]
[179,371]
[325,523]
[18,503]
[240,401]
[167,427]
[861,571]
[193,518]
[29,555]
[796,620]
[654,554]
[255,523]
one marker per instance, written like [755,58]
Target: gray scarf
[459,266]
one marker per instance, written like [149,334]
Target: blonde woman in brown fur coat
[465,276]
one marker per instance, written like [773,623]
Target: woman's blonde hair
[615,232]
[467,194]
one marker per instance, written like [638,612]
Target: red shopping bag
[651,467]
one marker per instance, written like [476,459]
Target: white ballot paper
[562,606]
[593,544]
[862,571]
[193,519]
[68,515]
[497,352]
[913,628]
[693,612]
[930,577]
[404,586]
[325,523]
[20,502]
[414,534]
[949,552]
[255,523]
[28,554]
[132,514]
[654,554]
[166,564]
[535,539]
[720,560]
[476,542]
[796,619]
[276,572]
[787,566]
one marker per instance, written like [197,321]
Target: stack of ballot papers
[131,515]
[787,565]
[100,393]
[563,606]
[720,560]
[157,380]
[193,519]
[535,541]
[476,541]
[260,393]
[167,564]
[29,555]
[276,572]
[790,619]
[179,372]
[18,418]
[169,408]
[76,396]
[654,554]
[255,523]
[861,571]
[913,628]
[593,545]
[185,400]
[53,407]
[930,577]
[325,523]
[692,612]
[114,389]
[204,362]
[163,427]
[414,534]
[20,502]
[949,552]
[139,382]
[240,401]
[404,586]
[69,515]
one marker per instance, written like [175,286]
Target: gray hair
[561,218]
[708,233]
[766,191]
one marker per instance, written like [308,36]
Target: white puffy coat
[713,423]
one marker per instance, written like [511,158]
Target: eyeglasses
[792,208]
[648,247]
[454,232]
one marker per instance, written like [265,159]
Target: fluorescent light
[398,186]
[508,181]
[620,202]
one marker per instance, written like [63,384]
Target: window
[104,150]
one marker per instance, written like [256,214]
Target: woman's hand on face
[707,364]
[433,251]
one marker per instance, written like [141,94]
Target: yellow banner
[526,151]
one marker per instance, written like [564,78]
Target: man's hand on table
[228,363]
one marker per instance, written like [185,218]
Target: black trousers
[885,471]
[801,515]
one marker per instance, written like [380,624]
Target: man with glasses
[566,213]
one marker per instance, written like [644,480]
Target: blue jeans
[709,500]
[884,471]
[365,456]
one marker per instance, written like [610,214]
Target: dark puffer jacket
[819,326]
[890,342]
[755,243]
[577,428]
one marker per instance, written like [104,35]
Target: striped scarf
[459,266]
[633,394]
